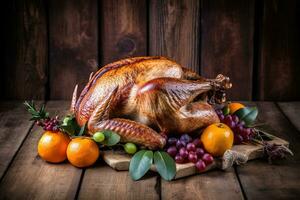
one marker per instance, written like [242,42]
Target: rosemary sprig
[35,113]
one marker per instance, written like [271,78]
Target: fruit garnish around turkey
[186,149]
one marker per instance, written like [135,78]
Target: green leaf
[111,138]
[247,114]
[165,165]
[140,163]
[70,125]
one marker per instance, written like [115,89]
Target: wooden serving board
[119,160]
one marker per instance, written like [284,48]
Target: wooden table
[23,175]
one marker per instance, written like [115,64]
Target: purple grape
[172,141]
[186,138]
[200,152]
[180,144]
[183,152]
[228,118]
[231,124]
[238,139]
[221,117]
[238,128]
[200,165]
[191,147]
[196,142]
[179,159]
[193,157]
[207,158]
[172,151]
[235,118]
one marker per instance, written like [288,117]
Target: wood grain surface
[23,73]
[73,39]
[104,182]
[12,136]
[227,43]
[174,30]
[123,26]
[29,177]
[291,111]
[279,57]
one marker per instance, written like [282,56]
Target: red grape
[179,159]
[192,157]
[191,147]
[196,142]
[172,151]
[200,152]
[207,158]
[183,152]
[238,139]
[200,165]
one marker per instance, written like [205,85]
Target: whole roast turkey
[144,98]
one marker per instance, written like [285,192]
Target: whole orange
[217,138]
[234,107]
[82,152]
[52,146]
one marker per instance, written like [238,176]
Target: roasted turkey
[145,98]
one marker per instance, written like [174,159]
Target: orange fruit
[234,107]
[52,146]
[217,138]
[82,152]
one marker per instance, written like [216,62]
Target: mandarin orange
[52,146]
[82,152]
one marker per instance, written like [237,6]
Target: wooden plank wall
[52,45]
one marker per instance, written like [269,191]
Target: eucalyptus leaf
[140,163]
[165,165]
[247,114]
[111,138]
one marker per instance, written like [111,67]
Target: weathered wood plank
[292,111]
[12,135]
[103,182]
[175,31]
[279,59]
[281,180]
[73,44]
[29,177]
[227,43]
[123,29]
[23,74]
[211,185]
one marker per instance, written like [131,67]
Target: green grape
[130,148]
[99,137]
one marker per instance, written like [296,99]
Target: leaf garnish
[140,163]
[111,138]
[165,165]
[247,114]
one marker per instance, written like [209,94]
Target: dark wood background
[49,46]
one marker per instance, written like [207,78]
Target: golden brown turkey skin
[147,91]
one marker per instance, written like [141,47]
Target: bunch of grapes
[49,124]
[241,132]
[186,149]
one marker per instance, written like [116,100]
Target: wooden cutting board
[119,160]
